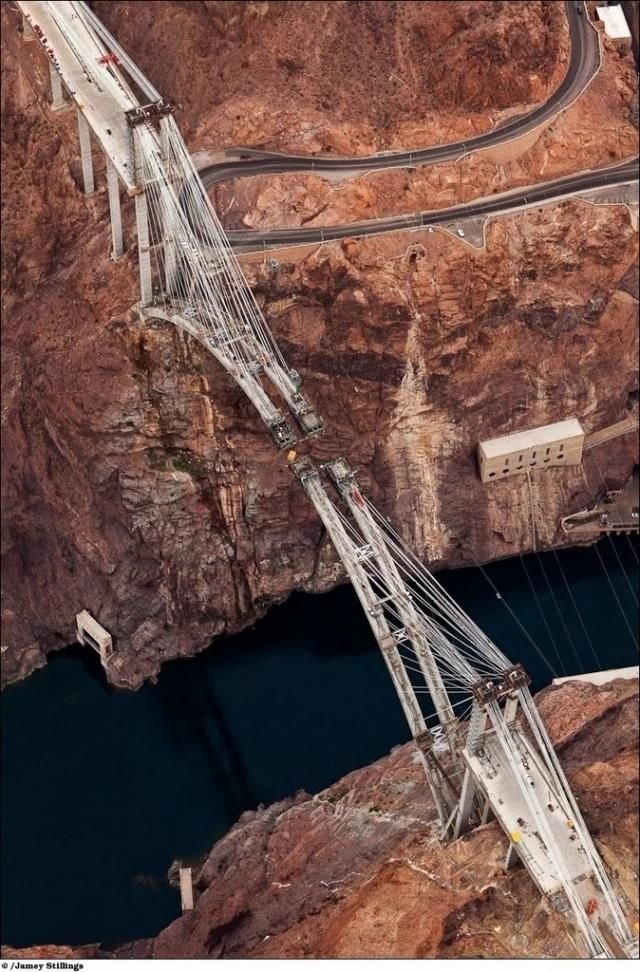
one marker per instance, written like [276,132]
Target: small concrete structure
[615,22]
[559,444]
[89,632]
[601,678]
[186,889]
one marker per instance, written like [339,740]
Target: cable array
[431,646]
[200,283]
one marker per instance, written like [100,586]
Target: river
[101,790]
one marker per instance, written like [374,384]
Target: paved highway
[618,174]
[583,64]
[584,61]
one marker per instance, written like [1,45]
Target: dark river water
[101,790]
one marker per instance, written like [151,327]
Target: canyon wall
[357,871]
[138,482]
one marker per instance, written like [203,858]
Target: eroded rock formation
[357,871]
[139,484]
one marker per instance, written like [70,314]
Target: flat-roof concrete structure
[615,22]
[90,632]
[559,444]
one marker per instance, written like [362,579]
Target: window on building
[533,454]
[505,471]
[548,450]
[534,463]
[548,459]
[506,462]
[520,458]
[561,447]
[492,474]
[561,455]
[518,467]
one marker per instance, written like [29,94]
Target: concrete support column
[27,30]
[486,810]
[57,94]
[144,253]
[512,857]
[85,153]
[113,187]
[465,807]
[168,235]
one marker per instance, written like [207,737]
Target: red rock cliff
[138,482]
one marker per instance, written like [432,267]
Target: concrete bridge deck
[96,91]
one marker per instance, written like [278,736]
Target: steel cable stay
[205,221]
[426,583]
[540,611]
[517,620]
[618,513]
[577,611]
[429,593]
[560,615]
[431,647]
[633,637]
[441,646]
[221,285]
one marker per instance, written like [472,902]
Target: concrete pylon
[85,154]
[57,91]
[27,30]
[169,243]
[113,187]
[144,253]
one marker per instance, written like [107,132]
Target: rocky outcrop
[139,484]
[357,872]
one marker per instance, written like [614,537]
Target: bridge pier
[511,858]
[113,187]
[144,252]
[27,29]
[168,238]
[57,91]
[85,154]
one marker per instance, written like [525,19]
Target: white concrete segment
[113,187]
[144,250]
[94,87]
[86,157]
[57,94]
[615,22]
[500,784]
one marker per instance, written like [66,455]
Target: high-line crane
[489,753]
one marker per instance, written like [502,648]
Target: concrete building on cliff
[559,444]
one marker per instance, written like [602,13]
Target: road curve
[505,202]
[584,61]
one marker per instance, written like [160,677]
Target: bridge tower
[503,764]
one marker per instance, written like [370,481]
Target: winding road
[584,63]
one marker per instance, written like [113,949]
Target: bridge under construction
[488,753]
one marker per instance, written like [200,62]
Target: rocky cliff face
[357,871]
[138,482]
